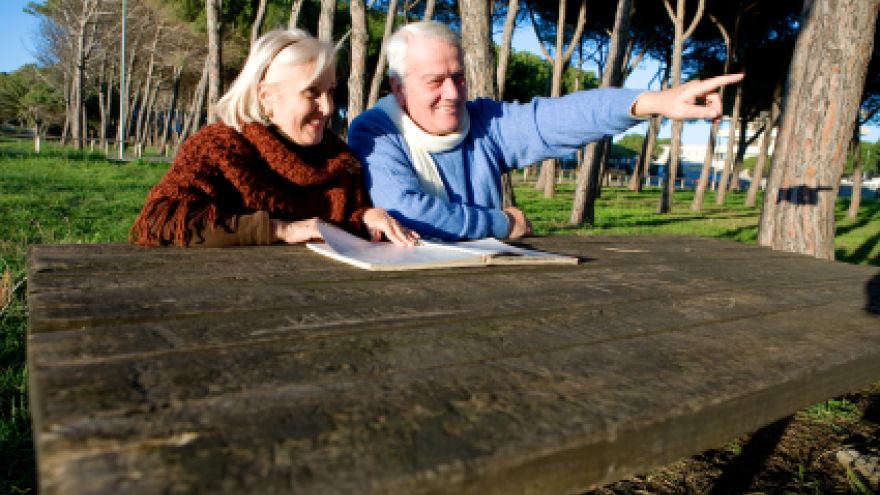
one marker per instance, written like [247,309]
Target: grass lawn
[63,196]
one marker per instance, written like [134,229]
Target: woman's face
[299,108]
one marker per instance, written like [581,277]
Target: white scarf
[421,145]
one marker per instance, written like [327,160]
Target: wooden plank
[226,370]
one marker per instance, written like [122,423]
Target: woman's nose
[325,103]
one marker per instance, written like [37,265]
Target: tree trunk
[476,42]
[706,171]
[325,20]
[823,92]
[430,5]
[742,146]
[643,165]
[376,84]
[562,56]
[148,87]
[177,71]
[76,89]
[588,180]
[766,140]
[258,21]
[736,126]
[295,11]
[359,39]
[681,35]
[103,102]
[856,196]
[504,49]
[195,110]
[212,10]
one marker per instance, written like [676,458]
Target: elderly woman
[271,170]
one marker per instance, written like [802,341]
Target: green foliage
[26,99]
[870,157]
[529,75]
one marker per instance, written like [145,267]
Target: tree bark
[177,71]
[823,93]
[359,39]
[325,20]
[677,17]
[588,178]
[504,49]
[295,11]
[476,42]
[736,126]
[430,5]
[212,10]
[376,83]
[766,140]
[643,164]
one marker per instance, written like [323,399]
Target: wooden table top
[275,370]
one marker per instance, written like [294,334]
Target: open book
[384,256]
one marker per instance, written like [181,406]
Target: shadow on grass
[866,214]
[861,255]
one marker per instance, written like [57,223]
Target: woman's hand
[379,222]
[295,232]
[691,100]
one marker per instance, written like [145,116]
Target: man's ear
[397,90]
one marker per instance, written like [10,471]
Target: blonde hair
[397,45]
[241,103]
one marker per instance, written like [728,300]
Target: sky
[19,31]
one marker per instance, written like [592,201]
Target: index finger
[713,83]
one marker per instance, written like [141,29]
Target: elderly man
[434,160]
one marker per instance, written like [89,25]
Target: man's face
[433,92]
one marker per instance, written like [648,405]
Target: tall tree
[376,83]
[295,12]
[822,95]
[325,20]
[586,190]
[682,33]
[360,38]
[699,194]
[771,121]
[504,48]
[212,11]
[560,59]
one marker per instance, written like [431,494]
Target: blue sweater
[502,137]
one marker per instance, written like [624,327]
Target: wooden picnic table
[275,370]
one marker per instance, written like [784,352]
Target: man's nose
[449,89]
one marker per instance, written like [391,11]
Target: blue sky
[19,31]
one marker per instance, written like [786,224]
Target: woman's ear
[264,95]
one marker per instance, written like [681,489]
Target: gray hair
[241,103]
[397,44]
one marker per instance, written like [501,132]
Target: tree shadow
[862,253]
[872,295]
[740,473]
[866,214]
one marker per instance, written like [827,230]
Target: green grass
[622,212]
[58,196]
[64,196]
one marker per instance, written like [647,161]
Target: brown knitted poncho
[220,174]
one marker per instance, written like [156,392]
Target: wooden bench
[275,370]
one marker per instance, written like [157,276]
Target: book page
[353,250]
[342,246]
